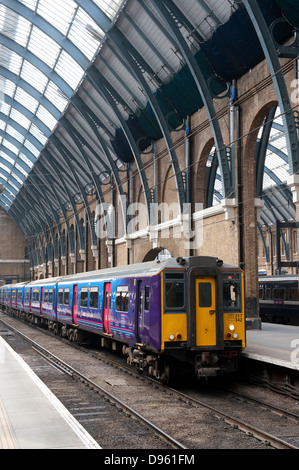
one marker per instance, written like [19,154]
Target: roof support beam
[271,55]
[167,11]
[132,58]
[261,149]
[110,95]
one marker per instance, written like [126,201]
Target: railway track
[197,406]
[76,374]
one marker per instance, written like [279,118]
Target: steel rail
[247,428]
[64,367]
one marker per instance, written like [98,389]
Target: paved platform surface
[31,417]
[276,344]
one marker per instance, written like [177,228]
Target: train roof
[146,268]
[279,278]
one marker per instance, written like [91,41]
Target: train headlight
[231,327]
[171,337]
[235,335]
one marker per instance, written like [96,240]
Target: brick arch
[152,254]
[200,180]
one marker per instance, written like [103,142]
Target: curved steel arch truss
[61,132]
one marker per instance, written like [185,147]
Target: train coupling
[205,365]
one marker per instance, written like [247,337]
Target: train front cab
[216,321]
[208,321]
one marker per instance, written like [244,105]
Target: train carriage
[181,311]
[279,299]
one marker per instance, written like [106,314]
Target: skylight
[41,58]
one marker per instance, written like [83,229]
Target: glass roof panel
[29,3]
[21,169]
[4,167]
[24,105]
[17,178]
[85,33]
[10,146]
[64,65]
[26,160]
[110,7]
[20,118]
[6,157]
[10,60]
[14,133]
[14,26]
[26,99]
[5,109]
[57,13]
[41,45]
[8,86]
[28,145]
[36,132]
[34,76]
[46,117]
[13,185]
[56,96]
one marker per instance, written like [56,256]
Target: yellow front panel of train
[205,311]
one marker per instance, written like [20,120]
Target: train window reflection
[174,293]
[204,294]
[122,299]
[94,298]
[60,297]
[232,297]
[83,297]
[268,293]
[279,294]
[261,293]
[293,293]
[66,297]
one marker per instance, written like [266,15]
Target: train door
[75,304]
[30,299]
[140,306]
[41,300]
[107,307]
[205,311]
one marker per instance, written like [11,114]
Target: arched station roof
[87,85]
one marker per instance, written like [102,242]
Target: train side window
[27,295]
[232,292]
[293,293]
[122,299]
[19,295]
[204,294]
[94,297]
[67,296]
[46,295]
[60,297]
[147,298]
[279,294]
[83,297]
[175,294]
[268,293]
[261,293]
[50,296]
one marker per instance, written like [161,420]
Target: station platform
[31,417]
[275,344]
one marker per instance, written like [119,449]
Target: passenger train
[160,314]
[279,299]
